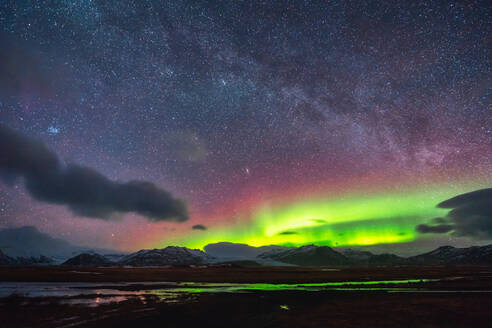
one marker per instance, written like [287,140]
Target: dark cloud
[199,227]
[442,228]
[288,233]
[470,215]
[470,198]
[440,221]
[84,190]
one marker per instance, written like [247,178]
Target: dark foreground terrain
[454,297]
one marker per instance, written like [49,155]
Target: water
[94,294]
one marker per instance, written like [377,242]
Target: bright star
[53,130]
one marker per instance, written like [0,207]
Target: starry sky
[295,122]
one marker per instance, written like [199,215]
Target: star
[53,130]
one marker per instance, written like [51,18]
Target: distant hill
[385,260]
[33,260]
[24,261]
[6,260]
[310,255]
[88,259]
[239,251]
[358,257]
[355,255]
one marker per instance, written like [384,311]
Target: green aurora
[353,220]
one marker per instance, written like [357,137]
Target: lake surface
[94,294]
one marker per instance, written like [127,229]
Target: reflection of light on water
[142,299]
[95,294]
[91,302]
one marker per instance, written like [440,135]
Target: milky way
[239,106]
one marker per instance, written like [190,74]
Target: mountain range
[325,256]
[309,255]
[28,246]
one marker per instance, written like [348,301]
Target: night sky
[337,123]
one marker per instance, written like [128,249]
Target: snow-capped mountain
[475,255]
[26,261]
[171,255]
